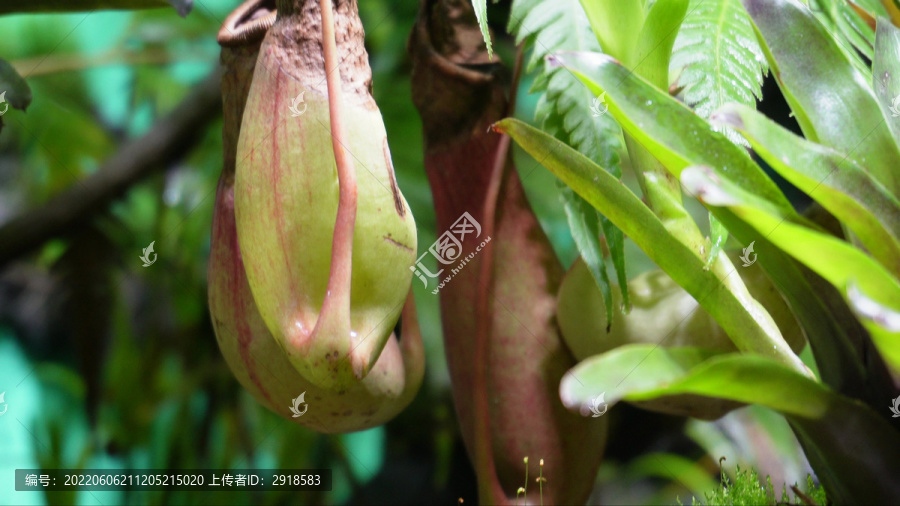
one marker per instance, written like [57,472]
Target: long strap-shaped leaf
[651,116]
[563,25]
[830,178]
[830,99]
[853,451]
[670,130]
[616,24]
[886,73]
[843,265]
[739,314]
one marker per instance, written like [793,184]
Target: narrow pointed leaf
[850,29]
[833,259]
[565,110]
[647,114]
[831,100]
[852,449]
[615,241]
[585,226]
[837,261]
[842,187]
[616,24]
[870,7]
[886,73]
[893,9]
[741,316]
[480,7]
[718,235]
[654,44]
[882,322]
[634,368]
[660,191]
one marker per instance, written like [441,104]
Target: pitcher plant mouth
[248,23]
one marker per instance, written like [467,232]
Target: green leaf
[830,99]
[873,7]
[882,322]
[619,373]
[849,30]
[9,6]
[716,58]
[852,449]
[615,241]
[657,37]
[742,317]
[564,108]
[886,73]
[13,89]
[842,187]
[661,307]
[616,24]
[661,192]
[585,226]
[718,235]
[480,7]
[835,260]
[648,114]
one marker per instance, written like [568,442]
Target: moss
[748,490]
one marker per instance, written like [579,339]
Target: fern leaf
[584,223]
[564,109]
[717,58]
[480,7]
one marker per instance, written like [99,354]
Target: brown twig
[26,6]
[169,139]
[55,64]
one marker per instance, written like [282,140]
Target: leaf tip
[183,7]
[704,185]
[869,309]
[728,116]
[557,60]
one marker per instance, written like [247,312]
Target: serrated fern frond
[564,108]
[717,58]
[480,7]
